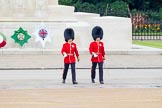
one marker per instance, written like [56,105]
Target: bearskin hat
[69,34]
[97,32]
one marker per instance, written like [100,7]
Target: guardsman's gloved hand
[94,54]
[64,54]
[104,58]
[78,58]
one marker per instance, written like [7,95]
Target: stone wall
[117,30]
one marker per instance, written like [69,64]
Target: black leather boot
[63,81]
[93,81]
[101,82]
[74,82]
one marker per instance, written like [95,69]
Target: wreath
[2,40]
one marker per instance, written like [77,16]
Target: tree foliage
[116,7]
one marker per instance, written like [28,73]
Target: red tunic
[97,48]
[71,51]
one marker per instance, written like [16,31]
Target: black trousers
[93,70]
[65,71]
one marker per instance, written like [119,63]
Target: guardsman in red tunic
[69,51]
[97,51]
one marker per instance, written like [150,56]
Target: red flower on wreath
[2,40]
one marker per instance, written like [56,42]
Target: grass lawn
[149,43]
